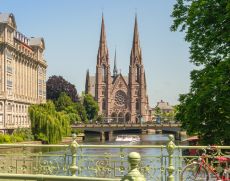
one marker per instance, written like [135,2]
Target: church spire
[136,34]
[103,50]
[103,36]
[136,49]
[87,83]
[115,71]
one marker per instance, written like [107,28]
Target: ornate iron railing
[101,162]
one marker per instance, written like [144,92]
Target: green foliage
[18,138]
[91,106]
[81,112]
[7,138]
[47,124]
[19,135]
[99,118]
[63,102]
[205,110]
[206,23]
[75,111]
[24,133]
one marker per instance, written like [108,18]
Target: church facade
[122,98]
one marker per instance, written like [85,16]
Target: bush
[7,138]
[1,138]
[24,133]
[18,139]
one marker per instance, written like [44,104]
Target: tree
[81,112]
[91,106]
[47,124]
[55,85]
[63,102]
[205,110]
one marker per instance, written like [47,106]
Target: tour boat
[129,138]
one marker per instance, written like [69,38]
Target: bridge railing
[156,125]
[98,162]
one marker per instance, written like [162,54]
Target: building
[162,110]
[22,74]
[123,98]
[164,107]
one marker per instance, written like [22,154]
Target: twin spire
[103,35]
[103,50]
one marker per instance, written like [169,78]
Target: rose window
[120,98]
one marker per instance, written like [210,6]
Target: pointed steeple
[136,49]
[103,36]
[115,71]
[103,50]
[87,83]
[136,34]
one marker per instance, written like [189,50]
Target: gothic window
[127,117]
[103,104]
[137,73]
[137,104]
[121,117]
[114,117]
[103,73]
[103,91]
[120,98]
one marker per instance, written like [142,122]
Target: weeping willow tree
[47,124]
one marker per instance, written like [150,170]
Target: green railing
[98,162]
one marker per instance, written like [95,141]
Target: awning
[192,138]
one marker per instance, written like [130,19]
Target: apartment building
[22,74]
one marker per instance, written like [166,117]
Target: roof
[37,42]
[192,138]
[4,18]
[164,105]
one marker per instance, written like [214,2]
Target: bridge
[100,162]
[106,130]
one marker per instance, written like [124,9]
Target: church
[121,98]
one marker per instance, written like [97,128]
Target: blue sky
[71,30]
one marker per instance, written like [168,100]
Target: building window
[104,104]
[9,91]
[1,119]
[9,83]
[9,107]
[9,35]
[1,106]
[9,69]
[137,105]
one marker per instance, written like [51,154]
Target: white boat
[128,138]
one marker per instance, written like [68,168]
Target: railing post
[73,148]
[134,174]
[170,148]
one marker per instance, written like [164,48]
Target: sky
[71,30]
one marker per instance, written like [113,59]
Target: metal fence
[102,162]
